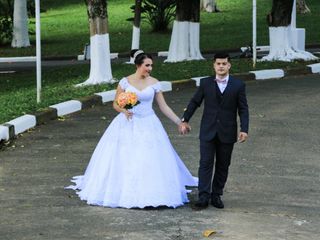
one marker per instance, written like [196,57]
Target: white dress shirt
[222,83]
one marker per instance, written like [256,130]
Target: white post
[254,32]
[38,50]
[294,15]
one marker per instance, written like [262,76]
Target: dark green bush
[5,30]
[6,16]
[159,13]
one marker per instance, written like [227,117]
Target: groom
[224,97]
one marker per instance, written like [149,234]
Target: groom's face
[221,66]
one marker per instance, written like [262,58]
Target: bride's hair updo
[138,56]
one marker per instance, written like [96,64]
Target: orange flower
[127,100]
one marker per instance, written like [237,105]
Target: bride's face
[146,67]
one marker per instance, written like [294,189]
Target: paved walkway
[272,193]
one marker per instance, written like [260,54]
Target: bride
[134,164]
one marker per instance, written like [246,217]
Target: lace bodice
[145,96]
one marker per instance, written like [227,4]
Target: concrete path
[272,193]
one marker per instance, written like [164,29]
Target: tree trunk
[302,7]
[188,10]
[20,36]
[98,18]
[283,36]
[135,44]
[184,44]
[137,13]
[281,13]
[100,63]
[209,6]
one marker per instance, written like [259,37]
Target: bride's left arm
[165,109]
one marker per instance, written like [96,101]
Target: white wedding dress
[134,164]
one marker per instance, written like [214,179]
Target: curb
[268,74]
[10,130]
[116,55]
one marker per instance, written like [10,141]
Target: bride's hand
[127,113]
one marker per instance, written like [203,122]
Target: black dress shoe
[216,201]
[200,204]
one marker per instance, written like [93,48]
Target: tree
[209,6]
[100,63]
[184,44]
[135,44]
[20,35]
[302,7]
[282,34]
[280,13]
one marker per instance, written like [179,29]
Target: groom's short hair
[221,55]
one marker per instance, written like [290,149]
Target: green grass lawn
[64,28]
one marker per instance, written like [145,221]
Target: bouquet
[127,100]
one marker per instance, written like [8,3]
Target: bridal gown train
[134,164]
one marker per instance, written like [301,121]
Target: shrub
[159,13]
[5,30]
[6,16]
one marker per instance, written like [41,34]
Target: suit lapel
[212,87]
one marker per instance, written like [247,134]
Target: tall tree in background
[135,44]
[209,6]
[281,34]
[100,63]
[302,7]
[184,44]
[20,35]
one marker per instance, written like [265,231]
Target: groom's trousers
[211,152]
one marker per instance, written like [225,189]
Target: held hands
[184,128]
[242,137]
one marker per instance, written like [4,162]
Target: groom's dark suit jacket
[220,110]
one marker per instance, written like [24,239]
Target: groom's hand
[242,137]
[184,128]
